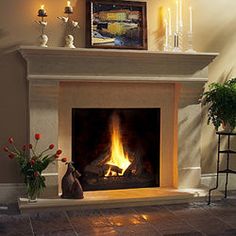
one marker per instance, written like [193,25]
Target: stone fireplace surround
[61,79]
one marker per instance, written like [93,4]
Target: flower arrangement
[32,164]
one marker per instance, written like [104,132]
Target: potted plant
[32,164]
[221,102]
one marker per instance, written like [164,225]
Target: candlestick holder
[166,48]
[70,26]
[168,38]
[167,44]
[180,38]
[43,38]
[176,43]
[190,43]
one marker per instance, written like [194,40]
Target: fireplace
[121,80]
[116,148]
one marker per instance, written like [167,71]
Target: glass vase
[32,198]
[33,189]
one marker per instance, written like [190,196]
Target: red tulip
[37,136]
[32,162]
[36,174]
[51,146]
[30,146]
[59,152]
[6,149]
[11,155]
[11,140]
[64,159]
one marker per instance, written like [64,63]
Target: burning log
[112,168]
[94,170]
[135,168]
[101,160]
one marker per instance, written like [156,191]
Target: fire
[118,157]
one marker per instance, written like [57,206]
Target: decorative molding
[209,180]
[10,192]
[191,168]
[134,79]
[62,51]
[83,63]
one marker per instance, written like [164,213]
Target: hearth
[116,148]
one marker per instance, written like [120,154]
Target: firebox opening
[116,148]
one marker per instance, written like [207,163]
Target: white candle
[177,16]
[190,20]
[166,32]
[68,8]
[42,11]
[169,21]
[180,14]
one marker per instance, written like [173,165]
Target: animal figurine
[71,187]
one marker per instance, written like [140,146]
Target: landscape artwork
[117,24]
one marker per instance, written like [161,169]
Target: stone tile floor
[183,219]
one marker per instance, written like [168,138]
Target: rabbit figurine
[71,187]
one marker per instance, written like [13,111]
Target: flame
[118,157]
[42,7]
[68,3]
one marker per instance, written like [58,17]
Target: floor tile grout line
[217,217]
[68,218]
[184,221]
[31,226]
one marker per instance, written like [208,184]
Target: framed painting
[116,24]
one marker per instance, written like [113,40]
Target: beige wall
[214,31]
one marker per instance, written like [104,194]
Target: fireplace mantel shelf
[34,50]
[86,64]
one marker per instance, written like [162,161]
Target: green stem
[33,149]
[16,150]
[40,155]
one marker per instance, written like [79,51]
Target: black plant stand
[229,152]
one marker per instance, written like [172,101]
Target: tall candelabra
[176,41]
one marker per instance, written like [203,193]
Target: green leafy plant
[32,164]
[221,101]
